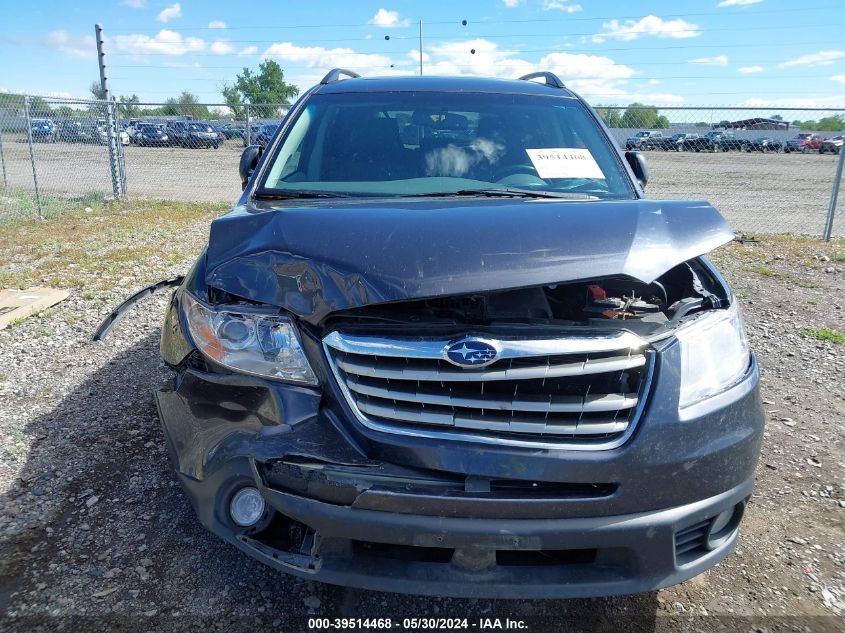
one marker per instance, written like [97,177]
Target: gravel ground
[96,534]
[765,193]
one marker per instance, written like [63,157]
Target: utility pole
[421,50]
[111,132]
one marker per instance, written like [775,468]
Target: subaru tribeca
[443,344]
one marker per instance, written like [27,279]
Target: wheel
[805,150]
[217,146]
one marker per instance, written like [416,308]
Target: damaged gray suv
[444,345]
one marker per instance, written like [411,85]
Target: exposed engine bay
[616,302]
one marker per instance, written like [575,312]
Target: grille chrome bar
[542,404]
[581,392]
[419,372]
[419,348]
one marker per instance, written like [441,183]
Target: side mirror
[638,166]
[249,160]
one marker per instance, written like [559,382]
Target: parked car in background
[676,142]
[765,144]
[832,145]
[229,131]
[151,134]
[43,130]
[72,132]
[99,133]
[193,135]
[264,134]
[445,370]
[721,141]
[805,143]
[647,139]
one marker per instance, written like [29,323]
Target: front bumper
[226,431]
[471,557]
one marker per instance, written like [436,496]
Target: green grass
[21,205]
[765,271]
[824,334]
[91,252]
[838,257]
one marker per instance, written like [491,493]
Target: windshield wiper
[269,194]
[503,193]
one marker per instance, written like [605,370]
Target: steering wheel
[511,170]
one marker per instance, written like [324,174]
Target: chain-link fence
[768,170]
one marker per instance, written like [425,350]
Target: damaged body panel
[284,257]
[425,365]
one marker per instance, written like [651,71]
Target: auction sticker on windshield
[564,162]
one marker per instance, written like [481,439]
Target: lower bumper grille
[583,392]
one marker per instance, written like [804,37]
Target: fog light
[246,507]
[724,525]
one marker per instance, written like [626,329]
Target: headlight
[252,343]
[164,137]
[714,354]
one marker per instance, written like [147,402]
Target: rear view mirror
[249,160]
[638,165]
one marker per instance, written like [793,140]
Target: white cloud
[388,19]
[834,101]
[319,57]
[511,4]
[596,77]
[561,5]
[249,50]
[79,46]
[654,82]
[718,60]
[221,47]
[649,25]
[170,13]
[737,3]
[839,78]
[217,24]
[165,42]
[749,70]
[134,4]
[822,58]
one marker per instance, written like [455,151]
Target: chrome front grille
[571,392]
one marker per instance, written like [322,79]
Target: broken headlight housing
[714,354]
[249,342]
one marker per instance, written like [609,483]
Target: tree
[267,85]
[642,116]
[610,116]
[129,107]
[233,99]
[833,123]
[96,90]
[776,117]
[186,104]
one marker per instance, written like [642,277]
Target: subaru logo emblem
[471,352]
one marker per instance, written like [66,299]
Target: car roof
[432,83]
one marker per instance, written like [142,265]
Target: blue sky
[668,52]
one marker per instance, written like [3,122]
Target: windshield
[429,143]
[149,129]
[196,127]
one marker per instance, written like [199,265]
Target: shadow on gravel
[112,543]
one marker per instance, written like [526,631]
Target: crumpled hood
[314,259]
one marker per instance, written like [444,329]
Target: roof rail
[551,79]
[335,75]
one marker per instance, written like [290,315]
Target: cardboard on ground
[19,304]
